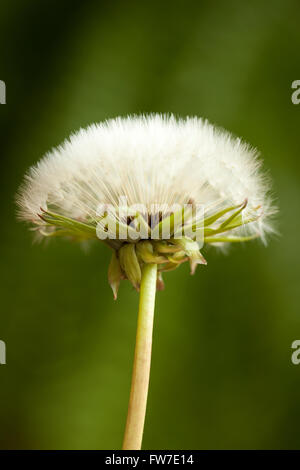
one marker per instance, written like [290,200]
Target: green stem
[142,361]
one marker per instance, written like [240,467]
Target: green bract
[130,254]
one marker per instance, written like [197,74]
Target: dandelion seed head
[154,159]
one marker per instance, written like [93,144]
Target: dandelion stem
[142,360]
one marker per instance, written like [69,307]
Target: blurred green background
[222,375]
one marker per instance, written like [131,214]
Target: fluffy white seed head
[150,160]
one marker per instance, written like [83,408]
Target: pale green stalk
[142,361]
